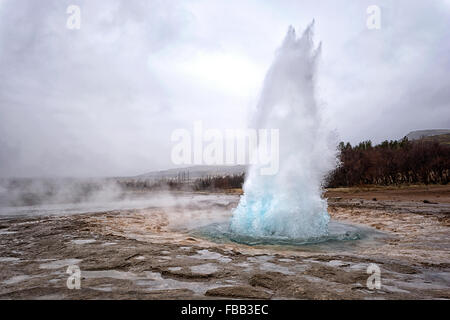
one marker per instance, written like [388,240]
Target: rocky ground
[151,254]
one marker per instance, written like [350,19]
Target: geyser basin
[338,232]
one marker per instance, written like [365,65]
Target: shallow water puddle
[208,255]
[59,263]
[8,259]
[17,279]
[207,268]
[83,241]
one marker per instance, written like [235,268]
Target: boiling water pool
[340,235]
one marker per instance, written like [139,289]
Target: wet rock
[239,292]
[185,273]
[400,268]
[335,274]
[171,294]
[269,280]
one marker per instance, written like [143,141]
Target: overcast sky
[103,100]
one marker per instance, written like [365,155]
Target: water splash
[289,204]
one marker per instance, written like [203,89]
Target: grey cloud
[103,100]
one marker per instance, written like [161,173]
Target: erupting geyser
[290,203]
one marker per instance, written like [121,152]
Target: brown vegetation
[392,163]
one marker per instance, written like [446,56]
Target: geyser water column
[289,203]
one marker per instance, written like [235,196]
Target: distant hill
[193,172]
[418,134]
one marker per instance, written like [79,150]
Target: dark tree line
[392,162]
[198,184]
[219,182]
